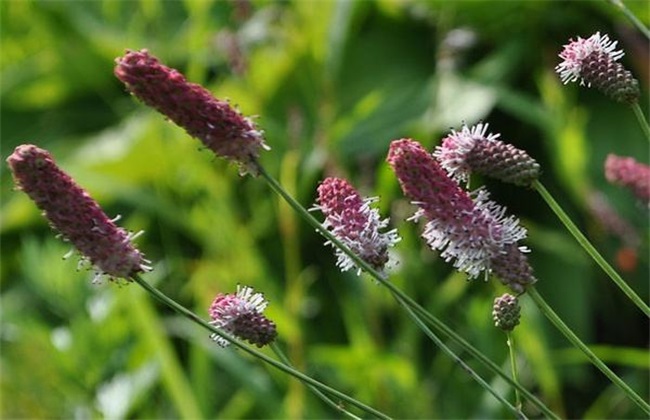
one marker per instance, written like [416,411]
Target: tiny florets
[593,61]
[626,171]
[218,125]
[74,214]
[471,150]
[351,219]
[506,312]
[241,315]
[471,230]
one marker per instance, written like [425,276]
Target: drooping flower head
[351,219]
[241,315]
[471,150]
[593,61]
[506,312]
[74,214]
[469,229]
[218,125]
[626,171]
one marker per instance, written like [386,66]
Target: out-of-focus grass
[331,83]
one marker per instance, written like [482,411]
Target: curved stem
[473,351]
[287,369]
[562,327]
[584,242]
[338,407]
[432,320]
[628,13]
[458,360]
[513,365]
[642,120]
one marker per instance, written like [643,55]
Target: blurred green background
[331,83]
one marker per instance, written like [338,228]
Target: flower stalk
[566,331]
[160,296]
[632,17]
[404,300]
[589,248]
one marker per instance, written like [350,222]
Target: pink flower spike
[626,171]
[471,150]
[593,61]
[72,212]
[241,315]
[351,219]
[474,232]
[219,126]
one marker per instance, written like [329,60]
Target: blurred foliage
[331,83]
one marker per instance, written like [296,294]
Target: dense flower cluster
[469,229]
[73,213]
[241,315]
[218,125]
[471,150]
[594,61]
[506,312]
[626,171]
[351,220]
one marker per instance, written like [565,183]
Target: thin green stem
[643,122]
[477,354]
[513,365]
[338,407]
[287,369]
[628,13]
[584,242]
[435,322]
[562,327]
[457,359]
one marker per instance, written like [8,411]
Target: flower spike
[241,315]
[593,61]
[73,213]
[471,150]
[218,125]
[351,219]
[472,231]
[626,171]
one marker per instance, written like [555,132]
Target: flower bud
[506,312]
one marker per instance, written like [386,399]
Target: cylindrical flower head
[474,232]
[219,126]
[73,213]
[512,268]
[626,171]
[351,219]
[471,150]
[506,312]
[593,61]
[241,315]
